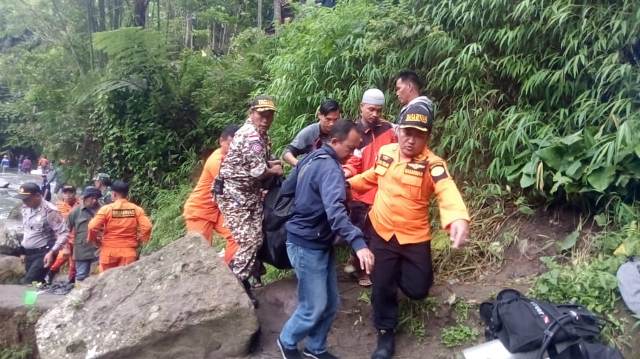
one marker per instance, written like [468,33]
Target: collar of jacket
[330,151]
[422,156]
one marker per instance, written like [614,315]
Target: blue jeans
[318,298]
[83,269]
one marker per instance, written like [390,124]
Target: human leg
[310,266]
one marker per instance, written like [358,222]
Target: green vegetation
[414,314]
[536,105]
[457,335]
[21,352]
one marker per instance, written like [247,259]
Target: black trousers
[34,265]
[358,214]
[406,266]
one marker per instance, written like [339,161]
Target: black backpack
[278,208]
[523,324]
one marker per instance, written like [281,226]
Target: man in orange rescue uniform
[407,175]
[201,213]
[118,229]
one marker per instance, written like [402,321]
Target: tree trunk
[188,34]
[90,30]
[140,12]
[259,14]
[223,39]
[115,12]
[158,13]
[277,13]
[212,37]
[102,21]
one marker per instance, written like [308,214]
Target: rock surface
[10,236]
[179,302]
[17,320]
[11,269]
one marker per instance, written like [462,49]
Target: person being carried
[65,206]
[408,175]
[44,233]
[201,213]
[119,229]
[313,136]
[84,252]
[376,132]
[319,214]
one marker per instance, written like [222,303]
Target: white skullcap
[373,97]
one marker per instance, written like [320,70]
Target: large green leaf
[571,139]
[569,241]
[601,178]
[527,181]
[554,156]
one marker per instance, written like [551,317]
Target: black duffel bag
[523,324]
[277,210]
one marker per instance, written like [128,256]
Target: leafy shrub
[592,284]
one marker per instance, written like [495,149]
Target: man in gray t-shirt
[315,135]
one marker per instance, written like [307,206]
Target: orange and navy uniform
[201,212]
[364,157]
[401,205]
[124,227]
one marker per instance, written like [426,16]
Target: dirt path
[353,336]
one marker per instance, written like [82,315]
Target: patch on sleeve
[384,161]
[256,147]
[123,213]
[415,169]
[438,172]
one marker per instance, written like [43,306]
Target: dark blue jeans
[83,269]
[318,298]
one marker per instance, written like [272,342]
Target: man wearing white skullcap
[376,133]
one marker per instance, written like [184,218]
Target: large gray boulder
[10,236]
[11,269]
[179,302]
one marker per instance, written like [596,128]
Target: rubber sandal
[364,281]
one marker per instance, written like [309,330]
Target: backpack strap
[552,330]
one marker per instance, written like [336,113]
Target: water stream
[14,179]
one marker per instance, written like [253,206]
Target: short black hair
[229,131]
[120,187]
[327,106]
[410,76]
[341,129]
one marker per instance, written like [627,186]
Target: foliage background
[537,101]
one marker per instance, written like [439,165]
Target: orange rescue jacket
[201,203]
[122,223]
[405,189]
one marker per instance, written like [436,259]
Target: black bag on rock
[523,325]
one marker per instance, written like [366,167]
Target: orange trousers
[65,256]
[116,257]
[206,228]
